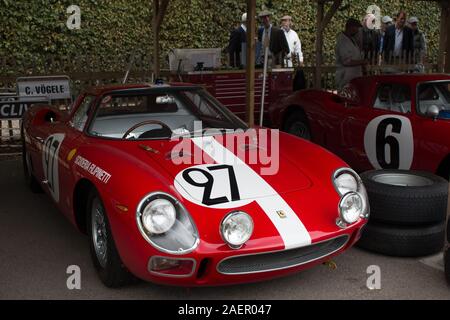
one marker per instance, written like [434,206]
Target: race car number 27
[50,156]
[389,142]
[206,182]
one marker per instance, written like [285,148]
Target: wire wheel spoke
[99,233]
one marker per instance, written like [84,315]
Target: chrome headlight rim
[342,221]
[232,214]
[341,171]
[177,204]
[361,191]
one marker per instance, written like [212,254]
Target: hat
[386,19]
[413,20]
[286,18]
[244,17]
[264,13]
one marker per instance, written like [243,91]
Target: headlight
[236,228]
[166,224]
[351,207]
[159,216]
[354,202]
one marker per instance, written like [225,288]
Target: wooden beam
[319,44]
[250,62]
[444,41]
[159,11]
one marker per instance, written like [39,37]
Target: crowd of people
[397,40]
[282,43]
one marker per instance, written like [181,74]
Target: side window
[393,97]
[203,105]
[81,115]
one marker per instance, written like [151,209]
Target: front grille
[280,259]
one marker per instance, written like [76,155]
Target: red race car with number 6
[172,188]
[382,122]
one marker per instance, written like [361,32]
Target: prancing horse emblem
[281,214]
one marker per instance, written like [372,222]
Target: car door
[380,135]
[59,146]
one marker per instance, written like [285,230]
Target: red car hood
[281,174]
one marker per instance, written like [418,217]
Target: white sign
[57,87]
[389,142]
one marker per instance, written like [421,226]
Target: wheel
[297,125]
[402,241]
[401,197]
[30,180]
[104,253]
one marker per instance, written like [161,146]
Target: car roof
[100,90]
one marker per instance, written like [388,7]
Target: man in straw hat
[273,38]
[295,46]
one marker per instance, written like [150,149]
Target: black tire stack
[447,252]
[406,220]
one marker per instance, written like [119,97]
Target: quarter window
[81,115]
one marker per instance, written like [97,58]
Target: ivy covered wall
[33,30]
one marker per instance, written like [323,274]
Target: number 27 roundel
[50,161]
[389,142]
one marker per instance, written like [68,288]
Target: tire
[297,125]
[422,202]
[402,241]
[447,264]
[30,180]
[447,253]
[107,262]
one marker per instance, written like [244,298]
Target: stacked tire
[408,211]
[447,252]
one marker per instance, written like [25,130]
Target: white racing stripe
[290,228]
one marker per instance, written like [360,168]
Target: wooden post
[159,11]
[444,43]
[250,61]
[319,44]
[442,37]
[322,21]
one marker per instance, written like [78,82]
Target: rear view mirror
[165,100]
[433,112]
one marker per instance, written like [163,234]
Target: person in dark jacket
[398,41]
[238,39]
[272,37]
[420,43]
[370,39]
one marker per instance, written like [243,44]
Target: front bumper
[212,267]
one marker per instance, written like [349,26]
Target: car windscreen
[159,114]
[434,94]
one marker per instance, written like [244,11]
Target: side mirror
[433,112]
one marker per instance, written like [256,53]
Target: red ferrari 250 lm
[382,122]
[170,203]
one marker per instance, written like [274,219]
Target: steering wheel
[143,123]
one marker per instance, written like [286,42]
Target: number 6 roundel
[389,142]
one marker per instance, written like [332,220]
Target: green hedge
[33,30]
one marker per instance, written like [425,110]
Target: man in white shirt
[293,40]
